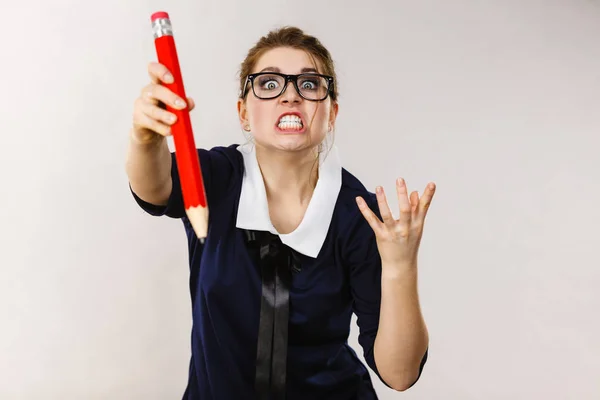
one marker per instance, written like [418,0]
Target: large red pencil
[188,164]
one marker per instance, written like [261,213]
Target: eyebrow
[275,69]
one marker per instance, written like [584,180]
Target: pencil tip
[198,217]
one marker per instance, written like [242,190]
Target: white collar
[309,236]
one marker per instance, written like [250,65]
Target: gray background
[496,101]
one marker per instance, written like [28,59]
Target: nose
[290,94]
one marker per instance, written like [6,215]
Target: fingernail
[379,189]
[400,181]
[179,103]
[171,118]
[359,201]
[168,78]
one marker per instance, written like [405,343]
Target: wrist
[147,140]
[399,271]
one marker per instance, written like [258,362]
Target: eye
[271,85]
[309,84]
[268,83]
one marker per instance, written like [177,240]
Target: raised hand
[398,240]
[150,119]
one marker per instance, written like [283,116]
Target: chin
[289,143]
[292,146]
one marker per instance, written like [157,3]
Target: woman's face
[288,122]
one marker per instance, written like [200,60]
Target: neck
[288,175]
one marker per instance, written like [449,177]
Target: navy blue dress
[335,271]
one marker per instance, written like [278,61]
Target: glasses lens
[268,86]
[313,87]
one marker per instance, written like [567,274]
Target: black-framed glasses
[269,85]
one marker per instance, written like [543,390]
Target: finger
[159,94]
[145,122]
[414,201]
[426,199]
[403,202]
[370,216]
[158,113]
[191,103]
[147,94]
[384,209]
[142,120]
[159,73]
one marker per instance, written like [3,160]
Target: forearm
[148,168]
[402,336]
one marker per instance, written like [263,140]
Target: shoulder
[222,164]
[352,225]
[222,169]
[352,188]
[222,155]
[356,239]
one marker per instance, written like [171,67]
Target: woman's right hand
[151,121]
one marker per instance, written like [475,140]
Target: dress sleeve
[365,282]
[218,166]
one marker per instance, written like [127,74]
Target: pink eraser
[159,14]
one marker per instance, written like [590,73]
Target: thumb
[191,104]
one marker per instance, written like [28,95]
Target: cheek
[321,117]
[259,115]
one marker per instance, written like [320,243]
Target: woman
[295,243]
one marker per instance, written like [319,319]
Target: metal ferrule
[162,27]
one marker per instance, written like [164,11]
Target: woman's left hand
[398,240]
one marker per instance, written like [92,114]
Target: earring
[329,128]
[247,128]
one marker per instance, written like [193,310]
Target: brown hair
[289,36]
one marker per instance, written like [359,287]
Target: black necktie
[277,263]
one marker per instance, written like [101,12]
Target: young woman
[295,245]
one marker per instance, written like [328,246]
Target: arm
[152,168]
[401,343]
[148,168]
[149,161]
[402,339]
[386,306]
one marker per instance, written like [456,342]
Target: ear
[242,112]
[333,112]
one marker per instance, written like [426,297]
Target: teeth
[290,122]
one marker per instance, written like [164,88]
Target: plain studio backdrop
[497,102]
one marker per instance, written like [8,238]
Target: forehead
[288,61]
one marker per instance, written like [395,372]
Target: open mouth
[290,123]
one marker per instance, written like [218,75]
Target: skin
[287,160]
[148,161]
[402,336]
[287,163]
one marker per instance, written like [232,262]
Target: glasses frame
[288,78]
